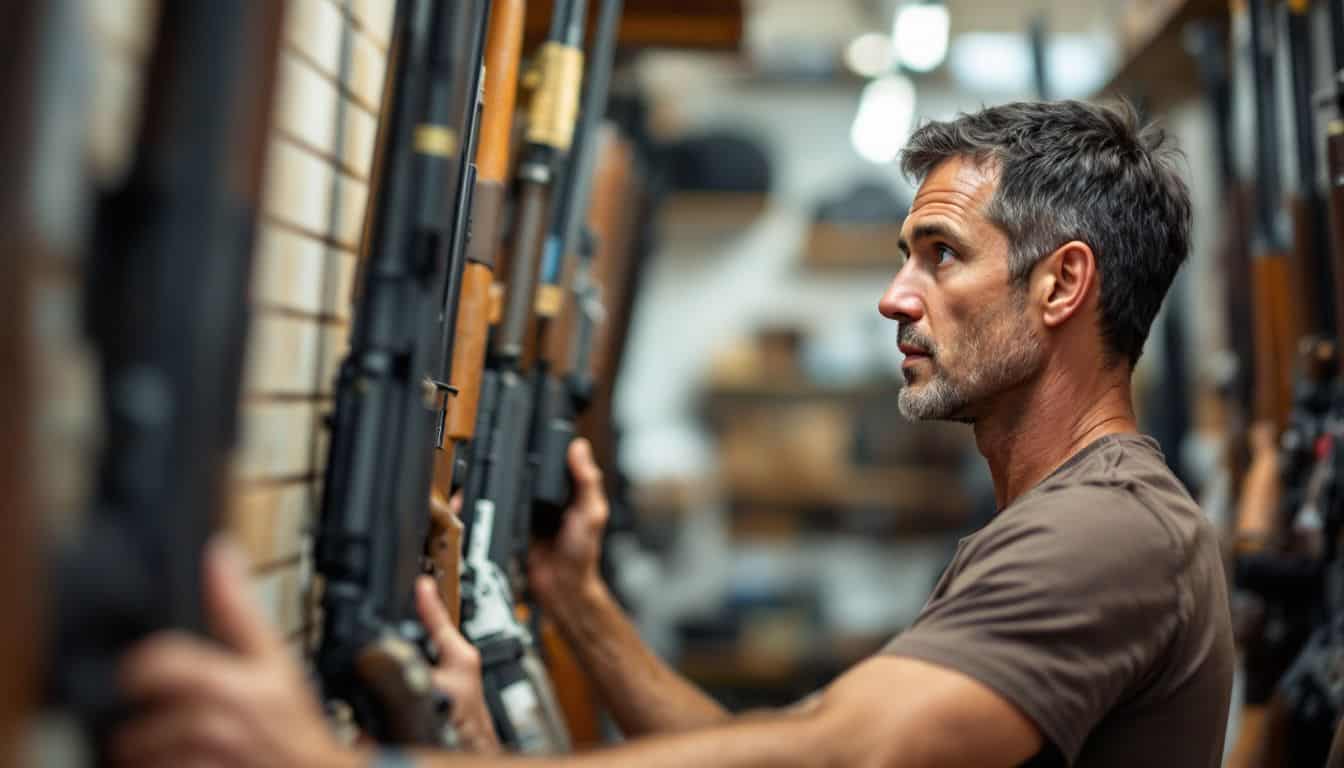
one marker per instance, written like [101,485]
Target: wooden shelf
[1156,71]
[852,246]
[692,220]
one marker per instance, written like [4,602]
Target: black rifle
[516,689]
[557,401]
[33,57]
[1312,284]
[1277,581]
[389,406]
[165,308]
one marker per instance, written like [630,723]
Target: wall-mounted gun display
[392,394]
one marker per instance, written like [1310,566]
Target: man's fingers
[453,647]
[432,611]
[175,665]
[587,475]
[235,618]
[179,735]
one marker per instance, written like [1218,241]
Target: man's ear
[1064,281]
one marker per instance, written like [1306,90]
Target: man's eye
[945,254]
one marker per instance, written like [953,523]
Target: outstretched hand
[568,564]
[458,672]
[245,700]
[247,703]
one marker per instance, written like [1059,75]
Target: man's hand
[568,565]
[247,704]
[458,673]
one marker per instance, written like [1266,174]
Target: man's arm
[889,712]
[644,694]
[249,705]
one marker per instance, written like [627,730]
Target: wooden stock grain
[613,217]
[473,318]
[445,552]
[503,50]
[504,42]
[1274,342]
[1302,313]
[1335,159]
[22,636]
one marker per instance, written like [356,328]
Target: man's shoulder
[1121,494]
[1107,532]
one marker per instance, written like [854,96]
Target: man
[1087,624]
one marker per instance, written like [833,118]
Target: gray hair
[1068,170]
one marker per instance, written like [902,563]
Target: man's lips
[910,350]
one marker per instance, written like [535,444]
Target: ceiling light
[920,35]
[884,120]
[869,55]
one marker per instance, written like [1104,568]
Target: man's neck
[1040,426]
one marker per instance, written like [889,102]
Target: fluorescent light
[1078,66]
[920,34]
[991,63]
[1000,64]
[869,55]
[886,115]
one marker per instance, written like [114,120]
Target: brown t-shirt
[1096,603]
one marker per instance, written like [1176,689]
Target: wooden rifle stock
[617,192]
[1275,324]
[495,483]
[1335,161]
[19,56]
[502,54]
[1275,320]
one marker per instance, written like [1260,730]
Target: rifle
[1309,265]
[617,207]
[21,75]
[503,51]
[516,689]
[372,658]
[168,332]
[1276,324]
[585,343]
[1210,45]
[1335,162]
[557,401]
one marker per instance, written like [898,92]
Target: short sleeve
[1062,610]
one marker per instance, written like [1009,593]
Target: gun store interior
[933,382]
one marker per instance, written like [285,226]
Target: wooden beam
[701,24]
[1156,70]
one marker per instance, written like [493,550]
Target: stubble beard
[998,351]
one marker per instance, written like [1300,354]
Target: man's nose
[901,302]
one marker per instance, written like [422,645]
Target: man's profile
[1087,624]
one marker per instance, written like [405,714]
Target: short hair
[1068,170]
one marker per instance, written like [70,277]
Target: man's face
[964,329]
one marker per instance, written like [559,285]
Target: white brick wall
[316,189]
[329,86]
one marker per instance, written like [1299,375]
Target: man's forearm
[774,740]
[644,694]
